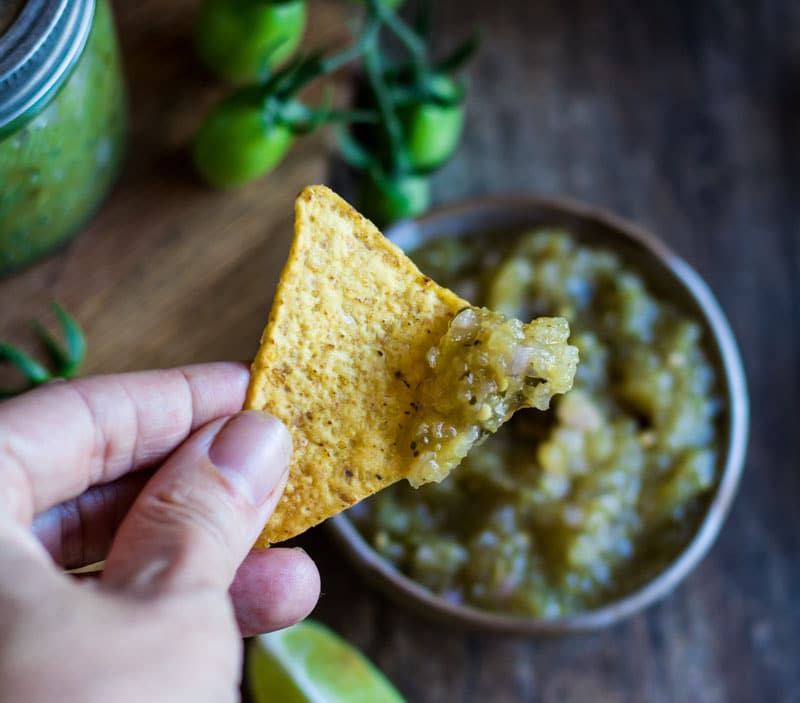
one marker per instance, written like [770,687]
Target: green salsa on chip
[561,511]
[484,369]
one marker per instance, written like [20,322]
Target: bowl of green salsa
[576,517]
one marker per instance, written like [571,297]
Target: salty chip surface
[347,363]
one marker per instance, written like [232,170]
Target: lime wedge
[308,663]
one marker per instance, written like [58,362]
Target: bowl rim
[733,384]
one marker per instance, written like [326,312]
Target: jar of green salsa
[62,121]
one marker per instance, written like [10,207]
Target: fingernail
[252,451]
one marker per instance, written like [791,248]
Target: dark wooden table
[683,116]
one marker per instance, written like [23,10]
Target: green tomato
[236,144]
[242,40]
[432,129]
[395,199]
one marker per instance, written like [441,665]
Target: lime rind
[308,663]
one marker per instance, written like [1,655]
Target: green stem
[408,37]
[367,39]
[363,116]
[374,69]
[303,70]
[414,44]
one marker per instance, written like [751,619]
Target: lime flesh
[308,663]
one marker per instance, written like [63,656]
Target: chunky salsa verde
[484,369]
[561,511]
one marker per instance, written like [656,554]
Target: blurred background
[681,116]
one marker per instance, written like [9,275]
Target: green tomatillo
[387,199]
[432,127]
[243,40]
[239,142]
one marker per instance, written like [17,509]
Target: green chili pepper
[65,358]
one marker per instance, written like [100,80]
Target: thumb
[196,519]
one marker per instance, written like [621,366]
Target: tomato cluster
[247,134]
[422,110]
[410,116]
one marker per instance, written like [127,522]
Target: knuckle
[185,532]
[191,518]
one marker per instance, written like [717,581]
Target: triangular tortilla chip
[341,357]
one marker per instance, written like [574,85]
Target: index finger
[58,440]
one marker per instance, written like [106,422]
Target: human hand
[77,486]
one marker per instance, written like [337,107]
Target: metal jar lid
[37,53]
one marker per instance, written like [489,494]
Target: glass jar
[62,121]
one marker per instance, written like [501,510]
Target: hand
[77,486]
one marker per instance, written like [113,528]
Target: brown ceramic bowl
[670,278]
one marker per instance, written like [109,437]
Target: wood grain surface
[683,116]
[170,271]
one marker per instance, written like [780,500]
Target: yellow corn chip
[341,357]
